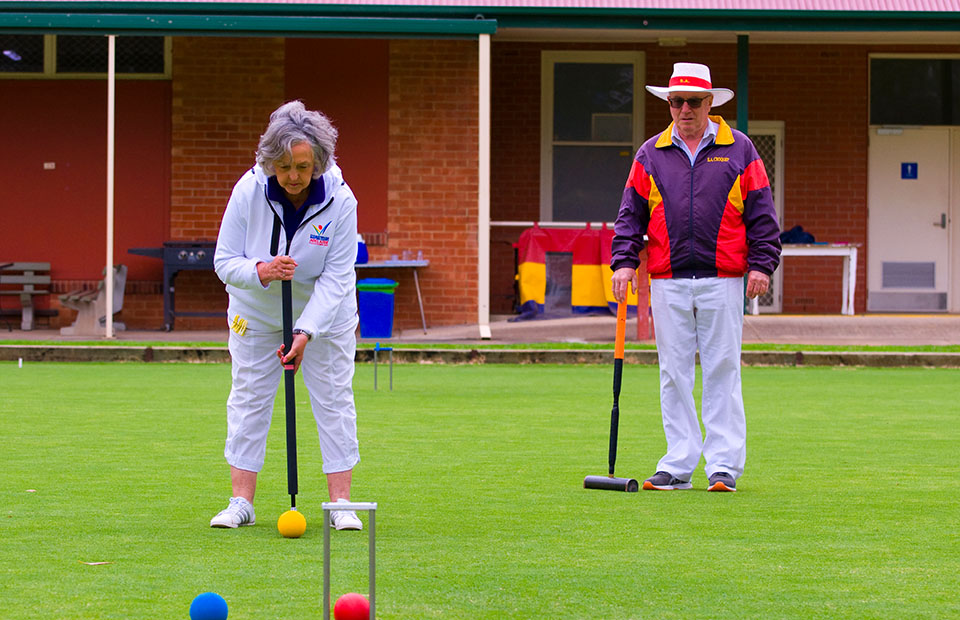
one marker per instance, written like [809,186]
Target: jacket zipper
[322,209]
[693,240]
[275,214]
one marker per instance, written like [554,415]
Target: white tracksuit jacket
[324,246]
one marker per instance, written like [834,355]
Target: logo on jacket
[317,237]
[710,159]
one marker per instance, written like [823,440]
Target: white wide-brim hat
[691,77]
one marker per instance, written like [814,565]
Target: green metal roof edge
[241,24]
[743,21]
[447,20]
[121,6]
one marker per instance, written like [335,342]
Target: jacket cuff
[255,282]
[762,270]
[625,262]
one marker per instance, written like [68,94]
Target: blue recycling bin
[375,298]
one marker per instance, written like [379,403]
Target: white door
[908,269]
[953,223]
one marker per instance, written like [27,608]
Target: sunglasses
[693,102]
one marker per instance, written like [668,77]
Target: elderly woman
[291,217]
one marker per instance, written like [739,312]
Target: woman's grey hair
[291,124]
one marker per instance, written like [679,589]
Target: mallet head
[611,483]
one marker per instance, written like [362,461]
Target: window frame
[50,66]
[777,129]
[548,58]
[899,56]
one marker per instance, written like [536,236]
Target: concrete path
[776,329]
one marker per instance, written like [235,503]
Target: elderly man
[700,193]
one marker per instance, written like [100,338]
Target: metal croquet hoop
[376,350]
[371,510]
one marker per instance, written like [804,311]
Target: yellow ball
[291,524]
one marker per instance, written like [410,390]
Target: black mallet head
[611,483]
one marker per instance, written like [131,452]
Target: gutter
[74,22]
[275,18]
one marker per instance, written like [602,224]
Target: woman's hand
[296,352]
[280,268]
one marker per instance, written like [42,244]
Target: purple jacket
[715,218]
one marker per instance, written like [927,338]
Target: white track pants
[704,313]
[327,369]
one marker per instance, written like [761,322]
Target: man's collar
[722,137]
[710,131]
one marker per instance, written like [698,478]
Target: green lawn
[848,508]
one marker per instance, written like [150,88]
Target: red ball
[351,606]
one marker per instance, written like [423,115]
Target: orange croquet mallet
[611,482]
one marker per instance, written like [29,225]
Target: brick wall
[432,197]
[223,92]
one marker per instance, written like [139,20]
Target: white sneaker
[239,512]
[345,519]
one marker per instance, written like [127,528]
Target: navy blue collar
[276,193]
[292,216]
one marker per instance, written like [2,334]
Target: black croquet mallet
[289,399]
[611,482]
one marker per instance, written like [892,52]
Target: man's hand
[280,268]
[296,352]
[621,279]
[757,284]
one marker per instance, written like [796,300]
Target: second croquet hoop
[371,509]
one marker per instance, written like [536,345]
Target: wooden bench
[91,306]
[25,277]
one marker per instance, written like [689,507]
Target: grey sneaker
[239,512]
[345,519]
[664,481]
[722,481]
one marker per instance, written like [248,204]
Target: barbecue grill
[180,256]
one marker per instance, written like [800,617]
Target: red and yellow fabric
[590,279]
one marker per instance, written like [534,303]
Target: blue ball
[208,606]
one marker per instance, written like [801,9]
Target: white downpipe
[111,103]
[483,193]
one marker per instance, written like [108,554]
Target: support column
[111,123]
[743,82]
[483,191]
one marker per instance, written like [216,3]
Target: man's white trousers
[327,369]
[704,314]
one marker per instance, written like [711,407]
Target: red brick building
[408,84]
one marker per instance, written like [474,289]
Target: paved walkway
[874,329]
[777,329]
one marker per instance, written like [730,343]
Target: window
[590,129]
[914,91]
[83,56]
